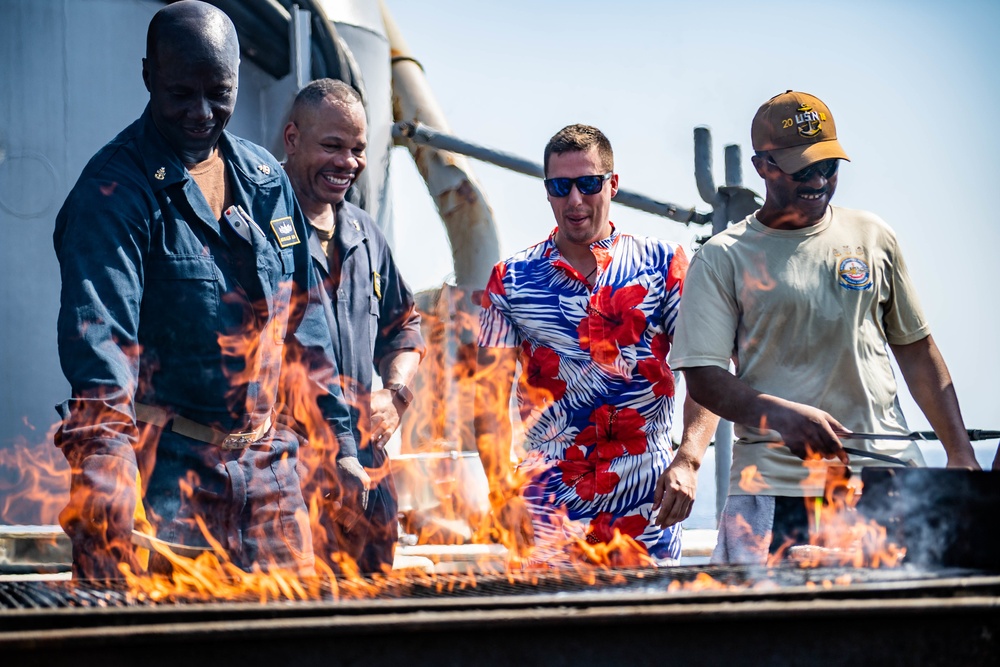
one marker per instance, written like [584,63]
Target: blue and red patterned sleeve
[496,328]
[676,272]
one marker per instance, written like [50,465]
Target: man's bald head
[192,24]
[191,71]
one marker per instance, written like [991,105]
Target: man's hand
[513,518]
[386,413]
[805,429]
[675,492]
[352,469]
[99,517]
[675,488]
[967,460]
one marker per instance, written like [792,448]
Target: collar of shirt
[163,167]
[347,229]
[601,250]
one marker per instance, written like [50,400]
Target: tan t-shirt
[210,176]
[808,314]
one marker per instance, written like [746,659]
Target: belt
[150,414]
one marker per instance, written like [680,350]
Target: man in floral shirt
[589,312]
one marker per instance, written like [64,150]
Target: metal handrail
[422,134]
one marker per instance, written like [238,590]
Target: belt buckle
[238,440]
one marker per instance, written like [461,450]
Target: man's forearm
[931,386]
[804,429]
[399,367]
[723,394]
[699,427]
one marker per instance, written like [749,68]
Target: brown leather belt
[150,414]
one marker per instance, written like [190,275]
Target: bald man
[185,271]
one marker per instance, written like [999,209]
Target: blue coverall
[368,322]
[165,305]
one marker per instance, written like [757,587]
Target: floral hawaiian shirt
[595,393]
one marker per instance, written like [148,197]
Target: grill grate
[16,595]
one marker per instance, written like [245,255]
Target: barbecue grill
[775,616]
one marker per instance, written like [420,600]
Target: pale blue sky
[913,87]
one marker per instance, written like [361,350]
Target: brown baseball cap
[797,130]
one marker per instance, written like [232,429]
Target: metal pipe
[734,170]
[703,165]
[300,37]
[723,465]
[428,136]
[424,135]
[460,200]
[720,220]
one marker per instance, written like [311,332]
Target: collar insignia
[160,174]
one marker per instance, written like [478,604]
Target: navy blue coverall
[164,305]
[369,322]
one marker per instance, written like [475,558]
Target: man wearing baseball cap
[806,299]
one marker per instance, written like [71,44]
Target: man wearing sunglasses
[807,299]
[589,313]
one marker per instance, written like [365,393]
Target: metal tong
[974,434]
[880,457]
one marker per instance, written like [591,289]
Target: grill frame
[941,617]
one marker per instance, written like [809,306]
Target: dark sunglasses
[825,168]
[587,185]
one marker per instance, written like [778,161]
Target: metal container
[443,495]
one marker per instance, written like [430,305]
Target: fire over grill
[780,616]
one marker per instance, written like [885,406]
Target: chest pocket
[283,296]
[373,314]
[180,301]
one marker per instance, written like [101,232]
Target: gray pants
[745,531]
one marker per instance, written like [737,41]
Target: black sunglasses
[587,185]
[825,168]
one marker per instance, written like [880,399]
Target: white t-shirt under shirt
[806,314]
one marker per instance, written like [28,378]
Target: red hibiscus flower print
[656,369]
[495,284]
[678,270]
[659,375]
[587,475]
[541,375]
[613,321]
[660,346]
[602,526]
[614,431]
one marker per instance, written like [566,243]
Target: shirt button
[341,294]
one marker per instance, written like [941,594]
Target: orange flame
[34,483]
[752,481]
[437,459]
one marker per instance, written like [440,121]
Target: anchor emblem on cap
[807,121]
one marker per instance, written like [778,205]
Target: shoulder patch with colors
[852,270]
[284,229]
